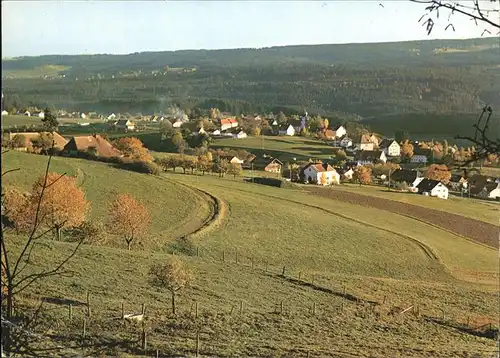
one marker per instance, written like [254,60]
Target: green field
[283,147]
[333,246]
[9,121]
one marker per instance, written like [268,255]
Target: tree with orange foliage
[128,217]
[19,214]
[133,148]
[63,203]
[438,172]
[363,175]
[406,149]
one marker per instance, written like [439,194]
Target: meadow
[347,268]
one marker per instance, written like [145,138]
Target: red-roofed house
[228,123]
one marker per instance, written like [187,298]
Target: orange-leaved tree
[63,203]
[133,148]
[438,172]
[363,175]
[407,149]
[128,217]
[20,214]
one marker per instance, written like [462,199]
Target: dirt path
[476,230]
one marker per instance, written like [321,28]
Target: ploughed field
[476,230]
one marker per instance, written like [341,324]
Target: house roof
[385,143]
[421,151]
[427,184]
[124,122]
[368,155]
[404,175]
[365,139]
[274,160]
[59,140]
[320,167]
[103,147]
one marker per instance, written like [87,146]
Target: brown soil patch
[476,230]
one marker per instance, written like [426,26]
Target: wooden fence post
[223,256]
[252,263]
[157,353]
[196,309]
[468,321]
[89,312]
[123,311]
[144,339]
[266,267]
[385,297]
[300,275]
[314,308]
[312,281]
[308,354]
[343,292]
[198,343]
[281,307]
[143,309]
[236,256]
[241,307]
[283,272]
[70,312]
[84,330]
[197,252]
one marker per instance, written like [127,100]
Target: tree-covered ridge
[367,79]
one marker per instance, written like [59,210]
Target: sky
[32,28]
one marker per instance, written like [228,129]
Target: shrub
[140,166]
[278,183]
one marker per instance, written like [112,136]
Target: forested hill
[372,80]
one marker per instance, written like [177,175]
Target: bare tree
[16,277]
[485,13]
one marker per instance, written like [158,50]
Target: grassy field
[333,246]
[284,148]
[37,72]
[9,121]
[175,210]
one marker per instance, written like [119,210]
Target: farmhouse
[457,181]
[365,143]
[390,147]
[39,114]
[340,132]
[4,113]
[433,188]
[420,155]
[485,189]
[274,166]
[345,142]
[287,130]
[177,123]
[345,173]
[94,143]
[125,125]
[29,137]
[319,173]
[228,123]
[370,157]
[240,135]
[411,177]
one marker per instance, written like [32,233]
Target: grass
[369,253]
[10,121]
[175,210]
[282,147]
[41,71]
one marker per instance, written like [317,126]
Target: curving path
[476,230]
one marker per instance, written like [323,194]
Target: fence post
[84,330]
[281,307]
[70,312]
[314,308]
[468,321]
[236,256]
[300,275]
[157,353]
[266,267]
[312,281]
[252,262]
[283,272]
[143,339]
[223,256]
[241,307]
[123,311]
[198,343]
[89,313]
[197,252]
[143,309]
[196,309]
[385,297]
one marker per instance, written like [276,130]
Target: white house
[125,125]
[240,135]
[345,142]
[200,131]
[490,191]
[365,143]
[83,116]
[348,174]
[290,131]
[4,113]
[340,132]
[111,116]
[216,132]
[177,124]
[431,187]
[27,113]
[390,147]
[364,157]
[322,174]
[228,123]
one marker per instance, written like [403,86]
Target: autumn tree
[220,166]
[179,142]
[20,216]
[406,149]
[363,175]
[166,129]
[234,169]
[173,275]
[128,217]
[204,163]
[214,113]
[133,148]
[43,143]
[18,141]
[281,118]
[438,172]
[49,120]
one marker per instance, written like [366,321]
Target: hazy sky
[89,27]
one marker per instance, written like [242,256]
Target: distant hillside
[372,80]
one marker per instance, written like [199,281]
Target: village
[427,168]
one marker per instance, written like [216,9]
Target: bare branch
[10,171]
